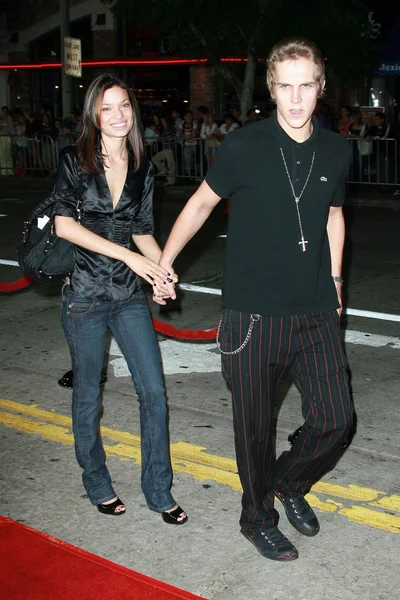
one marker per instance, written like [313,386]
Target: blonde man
[281,293]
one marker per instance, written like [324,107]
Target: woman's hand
[166,290]
[147,269]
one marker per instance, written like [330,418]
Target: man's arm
[192,217]
[336,232]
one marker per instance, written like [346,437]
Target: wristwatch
[338,279]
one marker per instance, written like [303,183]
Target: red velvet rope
[13,286]
[184,334]
[159,326]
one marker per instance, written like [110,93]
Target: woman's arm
[68,229]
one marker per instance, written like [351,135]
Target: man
[237,115]
[176,118]
[188,131]
[383,151]
[251,117]
[281,292]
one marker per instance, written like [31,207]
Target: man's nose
[296,97]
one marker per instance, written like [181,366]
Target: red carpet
[35,566]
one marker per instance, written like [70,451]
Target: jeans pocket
[80,308]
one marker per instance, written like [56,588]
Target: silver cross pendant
[303,242]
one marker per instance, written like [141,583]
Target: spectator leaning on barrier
[207,133]
[6,131]
[383,151]
[164,160]
[281,292]
[188,131]
[360,148]
[344,120]
[228,126]
[251,117]
[237,115]
[176,118]
[21,143]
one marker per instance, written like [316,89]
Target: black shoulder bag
[42,255]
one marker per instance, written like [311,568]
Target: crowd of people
[184,144]
[28,141]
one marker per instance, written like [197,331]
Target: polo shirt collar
[285,141]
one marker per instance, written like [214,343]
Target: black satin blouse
[95,275]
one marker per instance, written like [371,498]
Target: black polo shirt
[266,271]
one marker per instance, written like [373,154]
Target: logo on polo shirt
[323,179]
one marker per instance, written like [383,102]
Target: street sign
[72,57]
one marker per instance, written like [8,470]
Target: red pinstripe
[277,346]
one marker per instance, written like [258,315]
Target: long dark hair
[89,136]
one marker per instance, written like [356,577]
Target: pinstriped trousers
[308,347]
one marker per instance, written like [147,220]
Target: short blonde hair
[293,48]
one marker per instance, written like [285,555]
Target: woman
[228,126]
[6,131]
[207,133]
[107,176]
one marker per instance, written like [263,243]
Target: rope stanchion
[14,286]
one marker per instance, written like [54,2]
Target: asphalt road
[358,503]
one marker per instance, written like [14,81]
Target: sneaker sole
[284,557]
[293,523]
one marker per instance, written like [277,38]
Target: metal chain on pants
[253,319]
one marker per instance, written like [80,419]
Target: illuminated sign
[72,57]
[388,68]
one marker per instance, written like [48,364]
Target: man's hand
[339,296]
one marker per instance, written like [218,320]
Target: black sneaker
[272,544]
[299,513]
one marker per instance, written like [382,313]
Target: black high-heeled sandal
[67,379]
[111,509]
[173,516]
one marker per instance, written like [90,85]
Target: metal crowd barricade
[374,161]
[188,157]
[23,156]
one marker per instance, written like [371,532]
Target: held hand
[147,268]
[172,279]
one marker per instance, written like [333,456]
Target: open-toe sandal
[67,380]
[111,509]
[173,516]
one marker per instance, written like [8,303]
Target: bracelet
[338,279]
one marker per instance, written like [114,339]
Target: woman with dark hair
[106,187]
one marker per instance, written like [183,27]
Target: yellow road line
[195,461]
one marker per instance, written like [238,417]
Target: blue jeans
[85,323]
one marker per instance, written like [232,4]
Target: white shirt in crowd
[208,130]
[224,131]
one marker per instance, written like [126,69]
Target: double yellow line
[362,505]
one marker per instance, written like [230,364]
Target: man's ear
[321,93]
